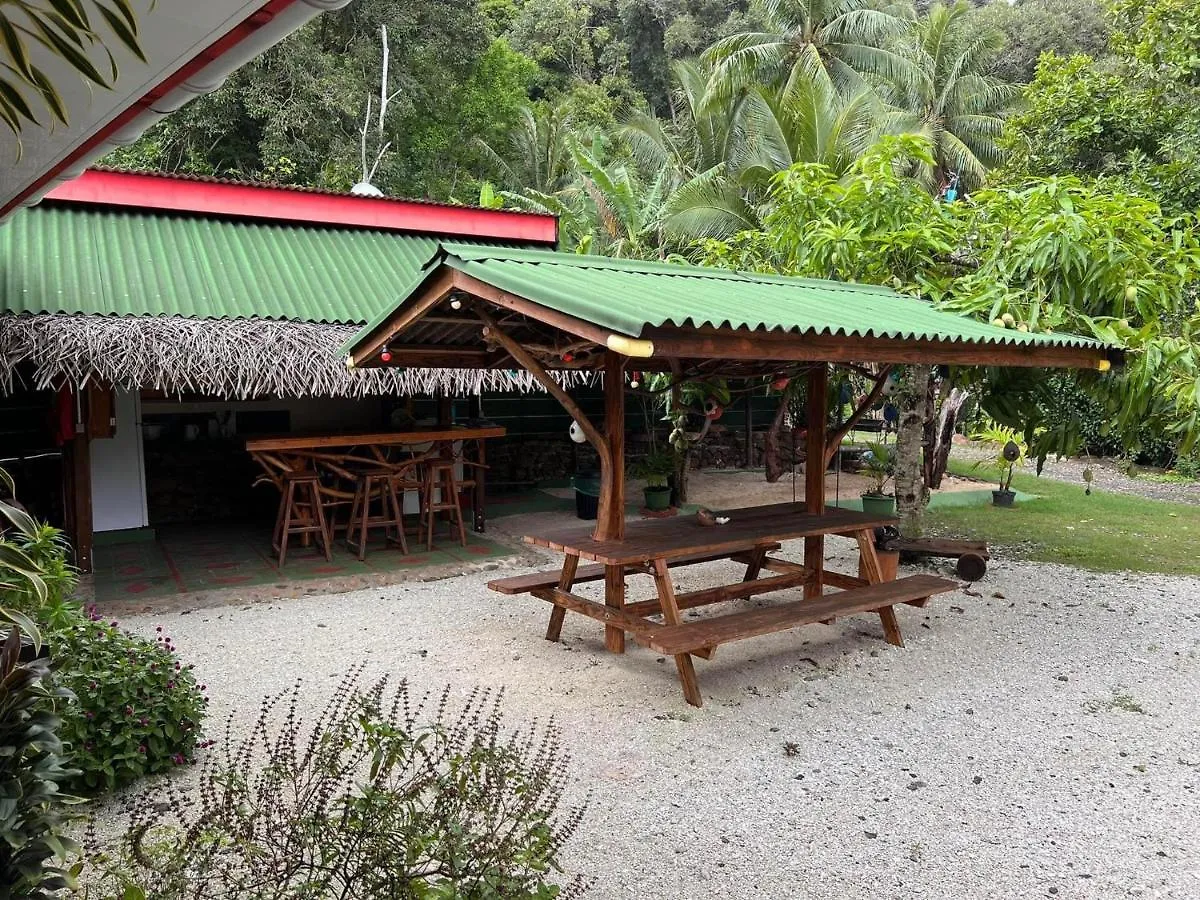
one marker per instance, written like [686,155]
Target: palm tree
[947,96]
[688,155]
[843,38]
[717,158]
[536,154]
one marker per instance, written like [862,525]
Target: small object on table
[706,516]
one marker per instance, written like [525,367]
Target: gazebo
[552,313]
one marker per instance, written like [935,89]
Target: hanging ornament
[386,355]
[635,380]
[890,413]
[1088,476]
[455,303]
[568,357]
[576,433]
[713,410]
[781,383]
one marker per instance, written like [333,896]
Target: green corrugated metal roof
[108,262]
[627,296]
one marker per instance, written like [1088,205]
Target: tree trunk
[771,460]
[939,453]
[912,400]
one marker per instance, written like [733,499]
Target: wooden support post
[610,520]
[869,563]
[445,411]
[609,526]
[614,596]
[814,475]
[565,580]
[78,500]
[670,612]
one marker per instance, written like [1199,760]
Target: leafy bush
[137,710]
[32,810]
[133,708]
[1188,466]
[385,795]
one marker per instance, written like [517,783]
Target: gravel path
[1041,743]
[1107,475]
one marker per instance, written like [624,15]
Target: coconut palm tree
[536,154]
[843,38]
[718,157]
[688,156]
[946,95]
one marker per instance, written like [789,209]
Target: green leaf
[124,28]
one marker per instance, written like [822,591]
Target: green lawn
[1105,532]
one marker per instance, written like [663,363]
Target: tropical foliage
[73,31]
[815,136]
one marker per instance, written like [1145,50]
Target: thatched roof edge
[235,358]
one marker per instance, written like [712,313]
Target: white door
[119,470]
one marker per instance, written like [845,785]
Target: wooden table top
[379,438]
[684,535]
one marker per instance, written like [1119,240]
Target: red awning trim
[159,192]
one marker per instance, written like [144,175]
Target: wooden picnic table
[303,452]
[652,547]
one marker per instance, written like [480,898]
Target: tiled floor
[214,557]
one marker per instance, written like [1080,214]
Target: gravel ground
[1107,475]
[1040,739]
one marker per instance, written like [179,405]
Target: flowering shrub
[387,794]
[137,711]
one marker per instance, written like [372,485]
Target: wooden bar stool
[371,486]
[301,512]
[439,476]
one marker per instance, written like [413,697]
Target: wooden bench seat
[690,637]
[538,581]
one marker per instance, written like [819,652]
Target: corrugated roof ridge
[537,256]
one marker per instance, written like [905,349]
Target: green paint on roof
[628,296]
[110,262]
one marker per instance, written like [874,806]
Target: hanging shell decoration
[1011,451]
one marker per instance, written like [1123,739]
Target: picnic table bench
[654,547]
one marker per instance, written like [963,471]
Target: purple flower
[89,714]
[129,711]
[141,748]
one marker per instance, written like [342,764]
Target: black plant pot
[29,653]
[1003,498]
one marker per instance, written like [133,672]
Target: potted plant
[1010,451]
[656,468]
[878,466]
[1010,455]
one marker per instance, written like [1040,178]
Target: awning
[568,309]
[190,48]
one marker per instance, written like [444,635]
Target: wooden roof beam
[791,347]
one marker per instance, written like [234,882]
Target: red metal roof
[248,200]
